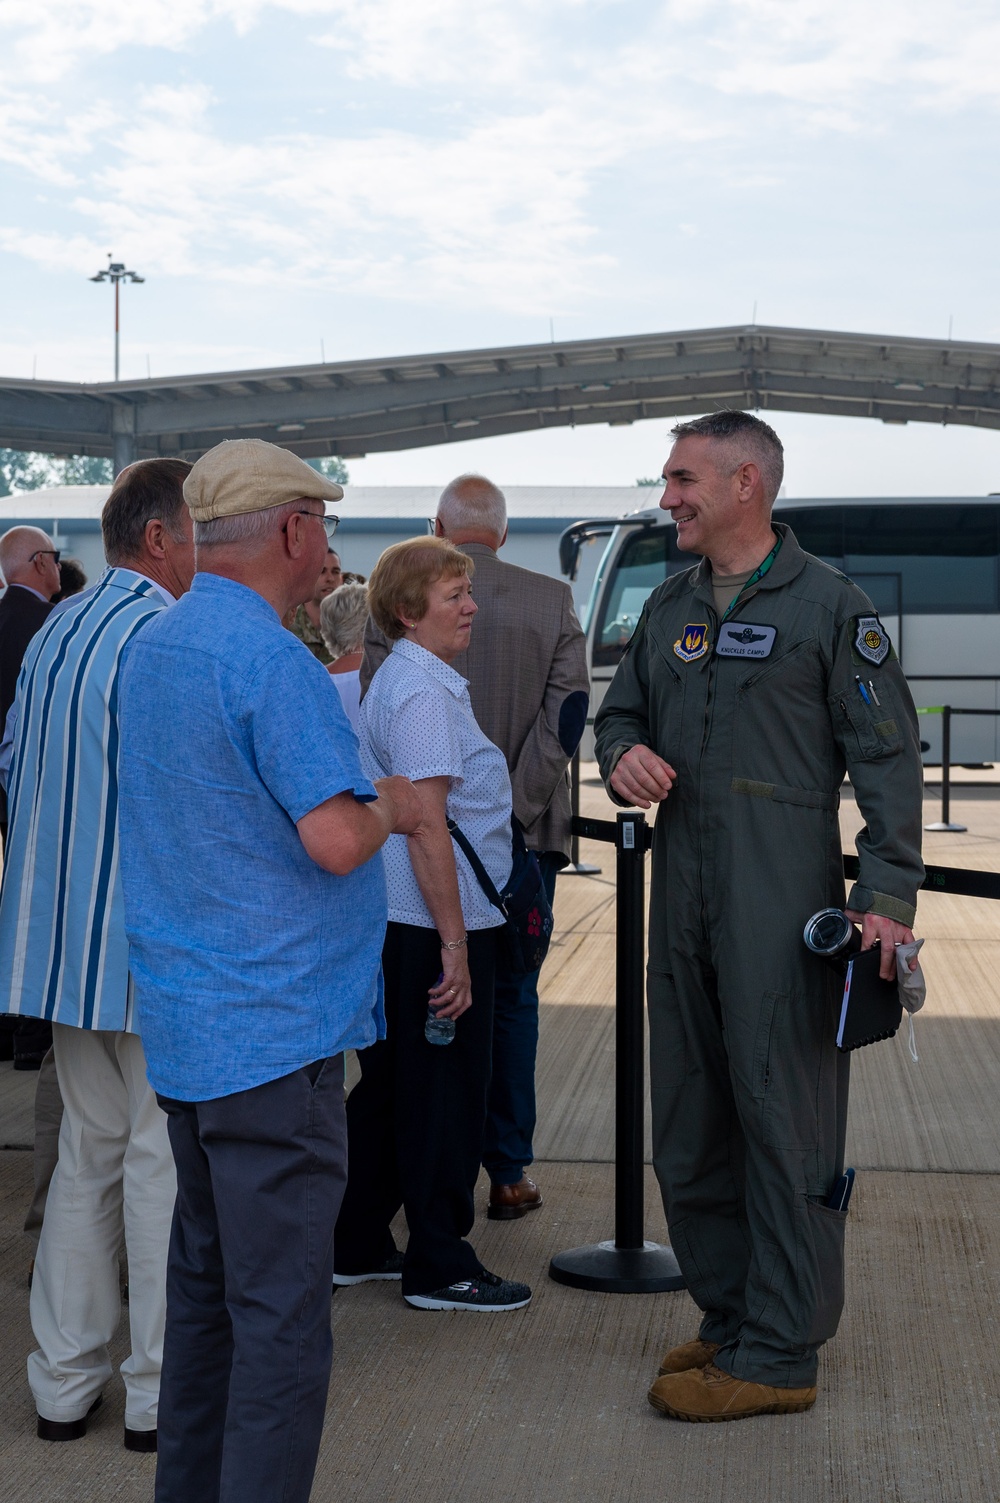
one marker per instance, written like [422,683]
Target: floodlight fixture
[116,273]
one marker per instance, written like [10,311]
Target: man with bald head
[30,566]
[29,563]
[527,673]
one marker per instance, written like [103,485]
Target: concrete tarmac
[549,1403]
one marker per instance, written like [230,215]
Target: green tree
[84,469]
[650,480]
[333,468]
[23,472]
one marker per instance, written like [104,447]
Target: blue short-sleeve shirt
[249,960]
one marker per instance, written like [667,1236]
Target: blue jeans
[510,1112]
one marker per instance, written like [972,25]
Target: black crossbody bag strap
[481,874]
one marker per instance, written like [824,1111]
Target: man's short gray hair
[343,616]
[743,437]
[471,502]
[18,547]
[251,527]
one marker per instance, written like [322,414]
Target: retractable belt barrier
[628,1264]
[946,712]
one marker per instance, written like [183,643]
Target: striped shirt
[63,950]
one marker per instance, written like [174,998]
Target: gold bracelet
[455,944]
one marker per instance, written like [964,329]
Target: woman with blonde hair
[415,1119]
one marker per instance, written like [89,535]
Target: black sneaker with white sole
[487,1292]
[392,1268]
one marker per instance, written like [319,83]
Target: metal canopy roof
[361,407]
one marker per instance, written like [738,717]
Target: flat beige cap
[247,474]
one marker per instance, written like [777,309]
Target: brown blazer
[527,671]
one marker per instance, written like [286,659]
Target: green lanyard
[755,578]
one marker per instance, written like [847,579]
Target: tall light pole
[115,272]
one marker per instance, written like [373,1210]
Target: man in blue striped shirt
[64,957]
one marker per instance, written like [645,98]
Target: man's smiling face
[702,499]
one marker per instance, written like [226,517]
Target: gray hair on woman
[343,617]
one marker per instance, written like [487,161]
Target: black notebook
[871,1009]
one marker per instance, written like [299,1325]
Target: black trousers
[247,1349]
[415,1121]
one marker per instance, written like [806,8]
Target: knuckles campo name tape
[740,639]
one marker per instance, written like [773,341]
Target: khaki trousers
[115,1173]
[48,1119]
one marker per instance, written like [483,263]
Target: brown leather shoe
[709,1394]
[680,1359]
[508,1202]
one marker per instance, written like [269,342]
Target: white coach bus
[931,567]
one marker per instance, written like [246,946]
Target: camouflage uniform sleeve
[881,746]
[623,719]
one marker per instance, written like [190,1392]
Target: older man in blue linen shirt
[64,957]
[256,918]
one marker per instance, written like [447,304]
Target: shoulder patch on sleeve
[871,640]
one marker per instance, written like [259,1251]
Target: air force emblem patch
[872,641]
[692,642]
[738,640]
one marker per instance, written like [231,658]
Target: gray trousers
[248,1348]
[749,1107]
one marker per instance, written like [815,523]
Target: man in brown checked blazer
[527,671]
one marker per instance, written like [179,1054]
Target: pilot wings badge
[740,639]
[692,642]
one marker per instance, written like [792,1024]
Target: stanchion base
[938,827]
[649,1269]
[579,869]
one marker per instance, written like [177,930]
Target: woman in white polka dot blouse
[415,1119]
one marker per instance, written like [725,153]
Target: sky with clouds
[383,177]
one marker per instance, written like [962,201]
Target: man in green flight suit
[751,684]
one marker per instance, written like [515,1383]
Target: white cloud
[496,122]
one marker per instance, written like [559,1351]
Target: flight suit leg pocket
[787,1061]
[826,1230]
[667,1034]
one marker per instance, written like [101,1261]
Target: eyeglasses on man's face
[46,552]
[330,524]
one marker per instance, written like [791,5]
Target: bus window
[944,555]
[645,560]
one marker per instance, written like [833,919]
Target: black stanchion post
[944,823]
[629,1041]
[576,868]
[629,1264]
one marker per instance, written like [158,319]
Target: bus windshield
[929,559]
[645,560]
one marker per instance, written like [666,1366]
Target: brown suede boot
[709,1395]
[680,1359]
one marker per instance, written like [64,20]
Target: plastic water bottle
[438,1030]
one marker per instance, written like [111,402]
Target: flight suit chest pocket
[666,695]
[872,729]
